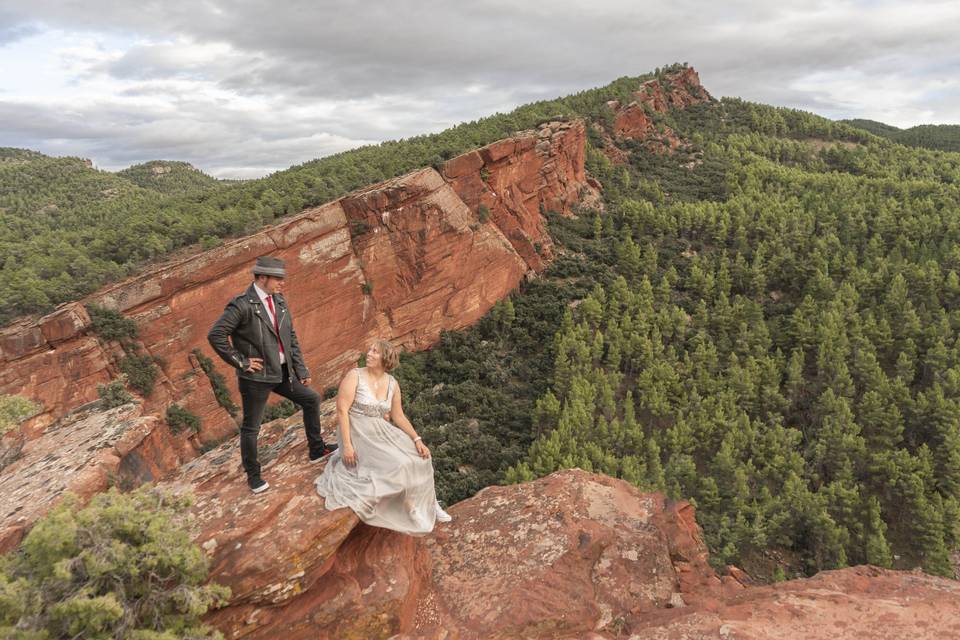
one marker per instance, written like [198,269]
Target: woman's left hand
[423,449]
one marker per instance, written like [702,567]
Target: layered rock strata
[403,259]
[84,453]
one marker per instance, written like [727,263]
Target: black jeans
[254,395]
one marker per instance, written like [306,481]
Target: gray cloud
[306,78]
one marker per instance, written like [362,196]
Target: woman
[382,471]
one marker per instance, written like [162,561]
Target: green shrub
[483,213]
[367,288]
[218,382]
[358,228]
[109,324]
[114,393]
[122,567]
[13,410]
[209,242]
[484,174]
[179,419]
[141,372]
[283,409]
[330,392]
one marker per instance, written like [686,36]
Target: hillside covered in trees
[68,229]
[945,137]
[762,321]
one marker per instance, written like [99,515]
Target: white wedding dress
[391,486]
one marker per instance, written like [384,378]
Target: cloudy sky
[244,88]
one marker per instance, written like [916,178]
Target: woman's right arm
[345,396]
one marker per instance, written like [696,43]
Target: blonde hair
[389,354]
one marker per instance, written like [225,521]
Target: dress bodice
[366,403]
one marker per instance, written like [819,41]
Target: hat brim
[267,271]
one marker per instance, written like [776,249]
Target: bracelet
[416,439]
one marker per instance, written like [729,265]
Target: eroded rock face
[633,120]
[84,453]
[859,603]
[572,555]
[296,570]
[403,259]
[564,555]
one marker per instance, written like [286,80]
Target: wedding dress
[391,486]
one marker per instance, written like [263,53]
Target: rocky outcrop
[634,120]
[571,552]
[497,179]
[572,555]
[565,555]
[84,453]
[403,259]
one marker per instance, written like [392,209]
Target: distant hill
[11,154]
[876,128]
[169,177]
[945,137]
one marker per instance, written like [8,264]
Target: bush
[483,213]
[283,409]
[218,382]
[358,228]
[367,288]
[114,393]
[122,567]
[141,372]
[109,324]
[13,410]
[209,242]
[179,419]
[330,392]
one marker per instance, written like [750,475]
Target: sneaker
[441,515]
[327,450]
[259,485]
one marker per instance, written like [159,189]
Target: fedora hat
[269,266]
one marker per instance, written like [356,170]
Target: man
[255,336]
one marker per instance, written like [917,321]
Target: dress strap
[390,383]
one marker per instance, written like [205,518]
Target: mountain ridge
[942,137]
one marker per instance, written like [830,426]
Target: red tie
[276,325]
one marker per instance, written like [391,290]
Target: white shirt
[266,305]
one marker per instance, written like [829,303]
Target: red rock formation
[572,555]
[401,259]
[295,569]
[510,177]
[677,90]
[562,556]
[84,453]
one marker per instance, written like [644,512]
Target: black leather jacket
[244,331]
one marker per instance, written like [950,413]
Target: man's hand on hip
[306,382]
[255,364]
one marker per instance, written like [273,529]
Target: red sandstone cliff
[403,259]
